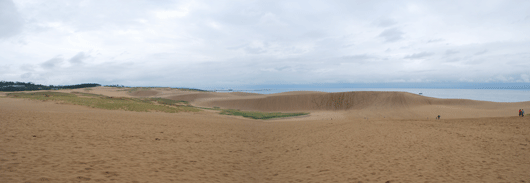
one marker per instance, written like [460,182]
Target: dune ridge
[323,105]
[335,101]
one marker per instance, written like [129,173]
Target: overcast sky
[228,43]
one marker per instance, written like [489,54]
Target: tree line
[22,86]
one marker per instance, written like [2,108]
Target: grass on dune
[130,90]
[254,114]
[260,115]
[169,101]
[88,94]
[214,108]
[104,102]
[139,104]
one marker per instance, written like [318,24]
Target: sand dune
[144,93]
[348,137]
[386,102]
[194,96]
[292,101]
[49,142]
[363,104]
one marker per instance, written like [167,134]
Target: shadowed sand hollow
[348,137]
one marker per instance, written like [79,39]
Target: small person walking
[438,117]
[520,112]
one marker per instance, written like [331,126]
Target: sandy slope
[48,142]
[363,104]
[335,101]
[147,93]
[396,105]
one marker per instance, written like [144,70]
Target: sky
[233,43]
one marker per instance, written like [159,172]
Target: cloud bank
[228,43]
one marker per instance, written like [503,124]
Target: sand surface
[389,140]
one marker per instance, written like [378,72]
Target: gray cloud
[391,35]
[78,58]
[49,64]
[434,40]
[5,68]
[418,55]
[26,75]
[27,67]
[451,52]
[359,59]
[385,22]
[525,78]
[453,60]
[256,48]
[481,52]
[10,20]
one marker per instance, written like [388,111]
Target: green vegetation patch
[138,89]
[214,108]
[169,101]
[87,94]
[260,115]
[21,86]
[104,102]
[192,89]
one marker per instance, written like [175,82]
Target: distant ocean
[494,95]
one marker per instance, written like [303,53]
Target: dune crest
[334,101]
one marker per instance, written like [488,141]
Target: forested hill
[21,86]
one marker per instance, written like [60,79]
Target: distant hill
[21,86]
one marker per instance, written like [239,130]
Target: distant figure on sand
[438,117]
[520,112]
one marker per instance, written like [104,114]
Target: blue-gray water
[501,95]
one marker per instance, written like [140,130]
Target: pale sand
[473,142]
